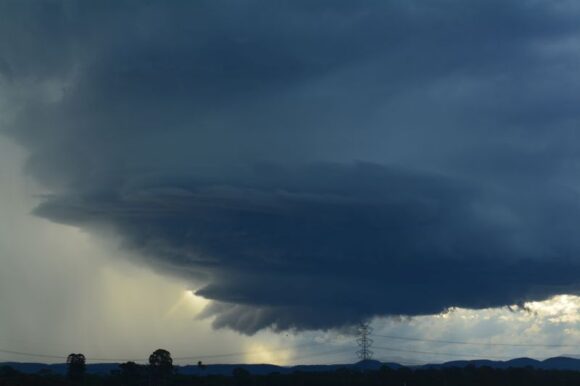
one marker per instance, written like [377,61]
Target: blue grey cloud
[311,164]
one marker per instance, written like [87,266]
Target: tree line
[161,372]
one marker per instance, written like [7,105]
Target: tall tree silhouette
[160,364]
[76,366]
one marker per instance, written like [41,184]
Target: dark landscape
[518,371]
[556,363]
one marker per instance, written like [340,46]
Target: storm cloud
[310,164]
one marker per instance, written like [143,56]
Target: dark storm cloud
[312,163]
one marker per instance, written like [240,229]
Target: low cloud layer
[310,164]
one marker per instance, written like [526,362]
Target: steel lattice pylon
[364,329]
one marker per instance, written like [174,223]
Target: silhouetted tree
[160,364]
[76,366]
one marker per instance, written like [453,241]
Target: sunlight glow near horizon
[559,309]
[261,353]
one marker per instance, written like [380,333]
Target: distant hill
[561,363]
[557,363]
[262,369]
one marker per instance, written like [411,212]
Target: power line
[401,361]
[442,353]
[364,353]
[117,359]
[476,343]
[32,354]
[325,353]
[240,353]
[196,357]
[49,356]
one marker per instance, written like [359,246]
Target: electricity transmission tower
[364,329]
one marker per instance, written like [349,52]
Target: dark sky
[310,164]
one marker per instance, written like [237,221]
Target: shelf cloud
[310,164]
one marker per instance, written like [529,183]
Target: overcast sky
[218,177]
